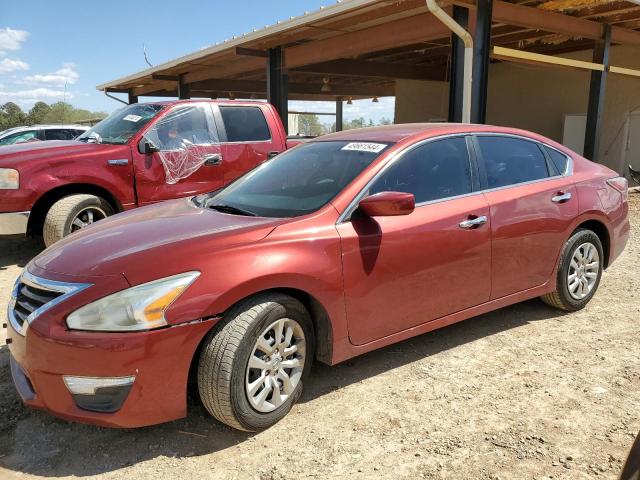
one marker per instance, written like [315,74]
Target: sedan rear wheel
[579,272]
[252,365]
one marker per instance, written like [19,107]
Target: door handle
[212,159]
[272,154]
[473,222]
[118,162]
[561,197]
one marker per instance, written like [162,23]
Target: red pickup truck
[141,154]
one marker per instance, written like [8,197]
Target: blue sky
[45,44]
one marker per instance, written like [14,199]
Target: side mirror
[147,147]
[387,204]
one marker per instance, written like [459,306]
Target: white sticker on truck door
[364,147]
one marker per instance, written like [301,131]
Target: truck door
[189,158]
[246,137]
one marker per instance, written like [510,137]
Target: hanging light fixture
[375,100]
[350,101]
[326,88]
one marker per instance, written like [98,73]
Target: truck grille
[33,295]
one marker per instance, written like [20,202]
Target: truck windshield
[297,182]
[121,125]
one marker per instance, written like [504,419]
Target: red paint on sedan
[337,247]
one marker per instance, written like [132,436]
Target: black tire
[561,298]
[222,366]
[58,222]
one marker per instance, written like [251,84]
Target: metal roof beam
[361,68]
[257,86]
[406,31]
[536,18]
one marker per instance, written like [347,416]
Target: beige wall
[418,101]
[537,98]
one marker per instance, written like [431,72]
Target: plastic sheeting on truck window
[185,136]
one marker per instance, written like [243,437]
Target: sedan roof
[400,132]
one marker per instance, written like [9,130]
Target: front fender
[231,275]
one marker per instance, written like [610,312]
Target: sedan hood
[152,241]
[14,156]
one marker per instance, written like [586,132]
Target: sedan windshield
[297,182]
[121,125]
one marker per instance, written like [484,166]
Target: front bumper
[159,360]
[14,223]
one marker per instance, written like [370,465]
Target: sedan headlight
[137,308]
[9,179]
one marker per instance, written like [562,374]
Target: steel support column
[481,50]
[339,103]
[597,90]
[277,84]
[456,66]
[132,98]
[184,89]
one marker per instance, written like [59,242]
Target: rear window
[509,161]
[245,124]
[559,160]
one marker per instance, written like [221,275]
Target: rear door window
[560,160]
[59,134]
[432,171]
[510,161]
[245,124]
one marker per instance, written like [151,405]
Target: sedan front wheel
[252,366]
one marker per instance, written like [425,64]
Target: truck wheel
[579,272]
[251,367]
[73,213]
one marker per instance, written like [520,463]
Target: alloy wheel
[276,364]
[87,216]
[584,269]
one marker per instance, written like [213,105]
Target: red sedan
[337,247]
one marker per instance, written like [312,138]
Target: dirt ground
[525,392]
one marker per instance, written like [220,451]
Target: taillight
[621,184]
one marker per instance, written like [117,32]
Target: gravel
[525,392]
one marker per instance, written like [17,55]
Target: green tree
[62,112]
[309,124]
[355,123]
[11,116]
[38,113]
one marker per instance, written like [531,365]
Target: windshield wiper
[230,209]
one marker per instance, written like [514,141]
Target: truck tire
[252,366]
[579,272]
[73,213]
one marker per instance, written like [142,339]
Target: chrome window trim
[65,288]
[344,217]
[246,142]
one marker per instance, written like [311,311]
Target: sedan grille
[29,299]
[33,295]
